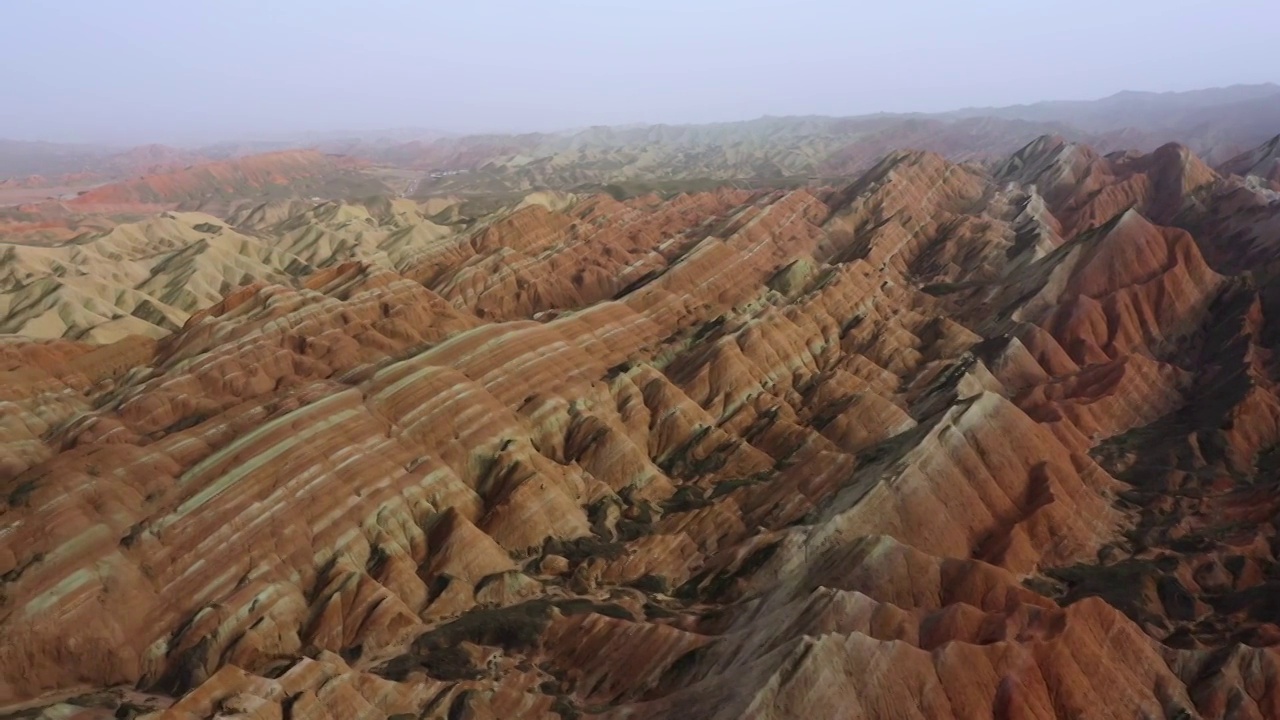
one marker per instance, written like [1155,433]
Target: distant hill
[1130,109]
[1218,124]
[279,174]
[673,156]
[21,159]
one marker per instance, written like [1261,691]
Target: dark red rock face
[934,443]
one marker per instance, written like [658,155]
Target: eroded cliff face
[935,443]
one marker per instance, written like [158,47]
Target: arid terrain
[1217,124]
[983,433]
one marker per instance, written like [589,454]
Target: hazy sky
[201,70]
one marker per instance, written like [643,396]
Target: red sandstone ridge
[154,158]
[931,442]
[244,176]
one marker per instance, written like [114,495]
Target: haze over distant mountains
[1148,110]
[1216,123]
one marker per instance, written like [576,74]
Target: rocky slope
[1262,162]
[930,442]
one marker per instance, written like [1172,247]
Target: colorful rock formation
[935,442]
